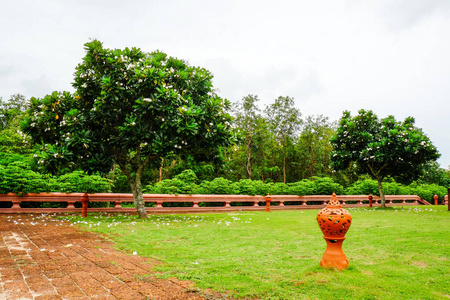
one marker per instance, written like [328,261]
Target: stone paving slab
[45,258]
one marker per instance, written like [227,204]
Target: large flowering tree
[381,147]
[130,108]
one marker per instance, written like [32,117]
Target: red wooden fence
[224,202]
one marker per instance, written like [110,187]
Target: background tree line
[275,145]
[138,117]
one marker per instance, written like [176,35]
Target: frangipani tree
[380,147]
[131,108]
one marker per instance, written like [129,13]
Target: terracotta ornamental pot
[334,221]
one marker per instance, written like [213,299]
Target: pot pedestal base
[334,256]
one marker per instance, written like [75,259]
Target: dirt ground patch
[45,258]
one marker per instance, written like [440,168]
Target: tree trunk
[380,188]
[139,198]
[249,164]
[136,188]
[262,169]
[312,163]
[284,159]
[249,151]
[161,169]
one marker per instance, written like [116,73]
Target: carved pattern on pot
[334,221]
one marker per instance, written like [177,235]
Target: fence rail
[194,203]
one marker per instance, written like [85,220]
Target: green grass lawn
[394,253]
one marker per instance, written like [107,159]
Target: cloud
[6,71]
[401,15]
[307,87]
[390,56]
[234,82]
[36,87]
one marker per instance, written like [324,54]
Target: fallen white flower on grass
[135,253]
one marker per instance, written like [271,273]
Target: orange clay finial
[334,221]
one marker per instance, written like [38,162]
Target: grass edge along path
[395,253]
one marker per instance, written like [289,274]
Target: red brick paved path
[46,258]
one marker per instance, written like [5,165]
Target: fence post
[71,204]
[84,202]
[268,199]
[16,204]
[370,199]
[435,199]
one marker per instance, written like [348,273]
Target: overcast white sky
[391,56]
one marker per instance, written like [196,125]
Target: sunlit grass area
[394,253]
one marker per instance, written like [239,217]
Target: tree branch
[124,169]
[376,174]
[138,156]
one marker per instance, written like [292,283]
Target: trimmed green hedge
[188,183]
[424,191]
[17,177]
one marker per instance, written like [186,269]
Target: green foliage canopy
[314,147]
[12,140]
[11,109]
[381,147]
[285,122]
[131,108]
[246,120]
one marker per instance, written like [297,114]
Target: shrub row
[187,183]
[17,177]
[424,191]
